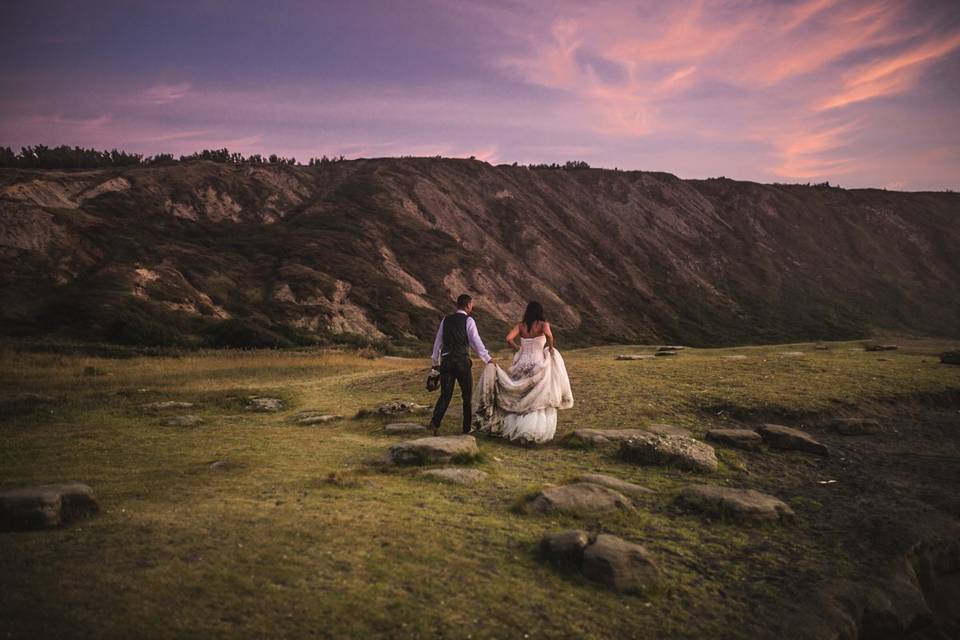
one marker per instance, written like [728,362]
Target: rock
[167,404]
[792,353]
[737,504]
[606,436]
[671,347]
[581,498]
[738,438]
[620,565]
[679,451]
[821,347]
[455,476]
[404,427]
[853,426]
[880,347]
[183,421]
[47,505]
[263,403]
[565,548]
[736,357]
[950,357]
[25,397]
[310,419]
[636,357]
[434,450]
[394,408]
[624,487]
[665,353]
[668,430]
[779,437]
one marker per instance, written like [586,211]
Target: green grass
[302,535]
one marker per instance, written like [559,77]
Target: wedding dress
[521,404]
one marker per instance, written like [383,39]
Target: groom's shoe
[436,429]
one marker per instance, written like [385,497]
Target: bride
[521,404]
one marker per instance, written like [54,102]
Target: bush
[242,334]
[135,329]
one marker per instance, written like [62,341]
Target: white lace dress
[521,404]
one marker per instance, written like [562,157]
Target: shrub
[242,334]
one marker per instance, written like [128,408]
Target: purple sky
[857,93]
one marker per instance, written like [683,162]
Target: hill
[373,251]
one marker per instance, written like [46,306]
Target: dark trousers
[454,369]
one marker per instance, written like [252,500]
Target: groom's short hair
[463,300]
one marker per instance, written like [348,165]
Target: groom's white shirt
[473,336]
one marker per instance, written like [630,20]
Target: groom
[457,333]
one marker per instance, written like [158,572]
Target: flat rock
[405,427]
[166,405]
[780,437]
[668,430]
[263,403]
[580,498]
[821,347]
[853,426]
[627,356]
[220,465]
[610,482]
[880,347]
[738,438]
[319,418]
[455,476]
[678,451]
[665,353]
[48,505]
[950,357]
[792,353]
[671,347]
[737,504]
[565,548]
[393,409]
[736,357]
[606,436]
[183,421]
[434,450]
[620,565]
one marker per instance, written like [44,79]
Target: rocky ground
[789,491]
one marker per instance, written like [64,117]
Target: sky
[857,93]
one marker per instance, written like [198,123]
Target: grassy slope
[272,548]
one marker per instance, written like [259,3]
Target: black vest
[455,342]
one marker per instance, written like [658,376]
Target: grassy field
[301,535]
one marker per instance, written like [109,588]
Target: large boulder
[777,436]
[580,498]
[737,504]
[624,487]
[434,450]
[679,451]
[950,357]
[455,476]
[621,565]
[565,548]
[739,438]
[47,505]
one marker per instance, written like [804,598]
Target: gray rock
[780,437]
[606,436]
[821,347]
[183,421]
[668,430]
[167,405]
[393,409]
[565,548]
[636,357]
[455,476]
[47,505]
[220,465]
[853,426]
[739,438]
[581,498]
[734,357]
[263,403]
[319,418]
[404,427]
[620,565]
[880,347]
[737,504]
[434,450]
[950,357]
[792,353]
[624,487]
[671,347]
[679,451]
[665,353]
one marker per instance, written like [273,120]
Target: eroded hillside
[375,249]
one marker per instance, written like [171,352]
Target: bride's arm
[513,336]
[549,334]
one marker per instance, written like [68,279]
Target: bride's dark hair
[533,313]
